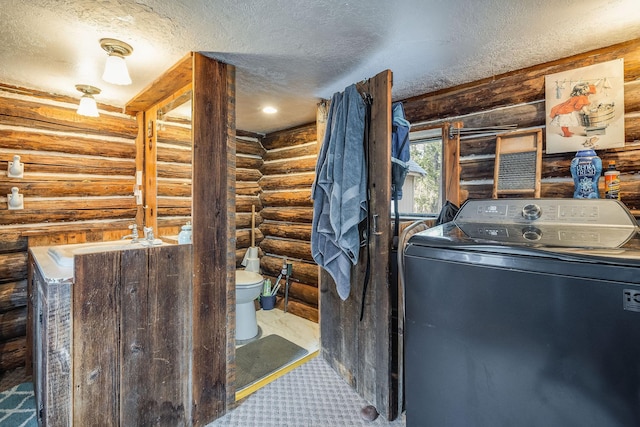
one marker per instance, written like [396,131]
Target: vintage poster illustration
[585,108]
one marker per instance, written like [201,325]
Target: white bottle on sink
[184,237]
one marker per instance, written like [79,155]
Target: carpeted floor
[312,395]
[18,406]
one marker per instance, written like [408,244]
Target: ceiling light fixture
[269,110]
[115,70]
[88,106]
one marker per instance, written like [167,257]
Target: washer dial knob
[531,211]
[531,234]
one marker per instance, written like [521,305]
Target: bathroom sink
[63,254]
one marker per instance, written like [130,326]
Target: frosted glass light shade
[115,71]
[88,106]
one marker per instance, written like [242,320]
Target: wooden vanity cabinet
[112,346]
[51,325]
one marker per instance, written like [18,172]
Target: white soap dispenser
[184,237]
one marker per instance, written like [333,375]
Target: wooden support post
[213,217]
[150,187]
[451,161]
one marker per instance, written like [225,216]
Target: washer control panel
[547,211]
[601,223]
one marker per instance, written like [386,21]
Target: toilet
[248,287]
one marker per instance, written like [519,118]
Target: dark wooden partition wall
[361,351]
[518,98]
[214,149]
[138,305]
[212,183]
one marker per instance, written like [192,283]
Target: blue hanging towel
[400,152]
[339,190]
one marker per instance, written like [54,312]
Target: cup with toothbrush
[268,296]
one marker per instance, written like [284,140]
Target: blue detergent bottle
[586,168]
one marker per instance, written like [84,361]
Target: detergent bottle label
[586,168]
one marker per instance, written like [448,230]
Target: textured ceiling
[290,53]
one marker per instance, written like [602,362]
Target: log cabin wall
[174,181]
[287,210]
[518,98]
[249,163]
[174,175]
[79,174]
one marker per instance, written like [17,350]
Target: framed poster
[585,108]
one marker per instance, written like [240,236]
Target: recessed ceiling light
[269,110]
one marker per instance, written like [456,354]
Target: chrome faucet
[148,234]
[134,233]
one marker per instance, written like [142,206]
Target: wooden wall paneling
[36,114]
[176,187]
[374,337]
[13,266]
[302,150]
[71,186]
[12,241]
[245,188]
[243,174]
[289,137]
[243,237]
[55,163]
[174,134]
[294,214]
[286,230]
[250,145]
[243,220]
[214,245]
[244,203]
[150,175]
[12,354]
[13,323]
[24,139]
[13,295]
[290,248]
[286,198]
[289,180]
[299,164]
[95,313]
[137,323]
[248,161]
[172,153]
[156,359]
[287,175]
[171,290]
[62,215]
[360,351]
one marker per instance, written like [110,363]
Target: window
[422,192]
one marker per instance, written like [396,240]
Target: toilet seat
[247,278]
